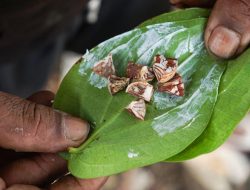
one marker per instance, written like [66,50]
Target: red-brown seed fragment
[159,58]
[141,89]
[174,86]
[105,67]
[164,69]
[133,70]
[137,108]
[147,74]
[139,72]
[117,84]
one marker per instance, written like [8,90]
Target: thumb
[28,126]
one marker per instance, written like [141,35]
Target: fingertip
[67,132]
[223,42]
[76,129]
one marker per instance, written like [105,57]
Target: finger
[72,183]
[42,97]
[23,187]
[228,30]
[37,170]
[2,184]
[193,3]
[67,183]
[27,126]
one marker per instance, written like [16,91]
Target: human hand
[32,127]
[228,29]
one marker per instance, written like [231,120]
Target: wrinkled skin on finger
[32,127]
[29,169]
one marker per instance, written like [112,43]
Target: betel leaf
[118,141]
[234,93]
[179,15]
[232,105]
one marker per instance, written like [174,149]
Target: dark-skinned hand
[37,132]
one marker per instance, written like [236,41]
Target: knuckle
[43,124]
[39,125]
[25,125]
[36,119]
[31,118]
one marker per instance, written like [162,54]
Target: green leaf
[235,79]
[175,128]
[232,105]
[179,15]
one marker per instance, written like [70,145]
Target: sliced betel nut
[137,108]
[141,89]
[159,58]
[117,84]
[139,72]
[165,69]
[174,86]
[133,70]
[105,67]
[147,74]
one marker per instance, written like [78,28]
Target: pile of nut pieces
[138,78]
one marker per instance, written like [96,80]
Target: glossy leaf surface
[234,95]
[173,125]
[232,105]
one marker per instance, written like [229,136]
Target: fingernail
[75,128]
[224,42]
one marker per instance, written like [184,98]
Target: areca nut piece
[137,108]
[117,84]
[141,89]
[105,67]
[165,70]
[175,86]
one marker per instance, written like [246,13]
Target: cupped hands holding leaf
[217,96]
